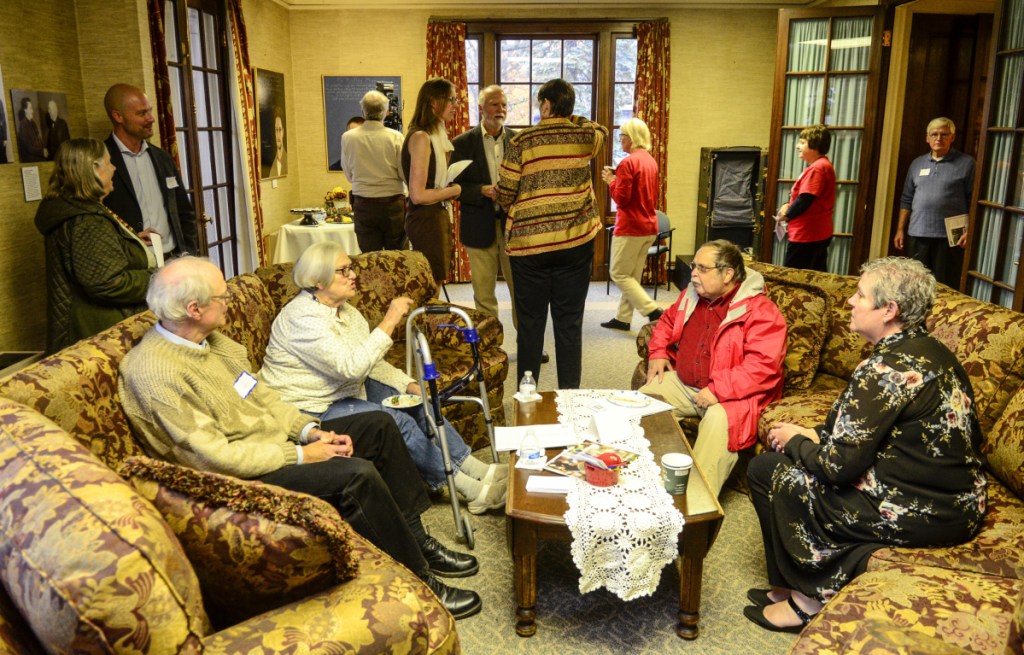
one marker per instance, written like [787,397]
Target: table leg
[693,549]
[524,553]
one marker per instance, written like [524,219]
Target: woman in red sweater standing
[808,214]
[634,188]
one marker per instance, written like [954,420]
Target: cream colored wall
[721,87]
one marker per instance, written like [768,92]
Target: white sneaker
[492,496]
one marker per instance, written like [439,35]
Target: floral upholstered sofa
[103,550]
[962,599]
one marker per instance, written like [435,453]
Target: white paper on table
[611,425]
[553,435]
[157,243]
[654,407]
[549,484]
[455,170]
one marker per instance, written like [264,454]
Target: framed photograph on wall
[342,94]
[6,145]
[273,123]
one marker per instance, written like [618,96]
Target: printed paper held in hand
[780,228]
[455,170]
[955,227]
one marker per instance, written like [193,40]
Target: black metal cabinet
[730,195]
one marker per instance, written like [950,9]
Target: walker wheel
[468,527]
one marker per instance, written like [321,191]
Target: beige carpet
[600,623]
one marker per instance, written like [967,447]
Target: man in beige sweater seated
[189,395]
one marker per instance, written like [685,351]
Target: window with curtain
[473,78]
[524,64]
[194,36]
[997,231]
[623,81]
[829,74]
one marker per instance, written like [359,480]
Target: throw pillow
[808,313]
[255,547]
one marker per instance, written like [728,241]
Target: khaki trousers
[484,264]
[711,451]
[627,266]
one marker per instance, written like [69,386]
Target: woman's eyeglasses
[345,270]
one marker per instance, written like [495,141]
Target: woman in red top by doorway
[808,213]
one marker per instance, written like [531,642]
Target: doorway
[947,69]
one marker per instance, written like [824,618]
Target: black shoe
[460,602]
[615,324]
[756,614]
[655,315]
[448,563]
[759,597]
[544,357]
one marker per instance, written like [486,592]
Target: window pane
[515,61]
[808,40]
[183,157]
[210,37]
[219,162]
[803,100]
[845,153]
[473,60]
[1018,195]
[226,228]
[1000,153]
[204,158]
[1013,14]
[579,60]
[847,96]
[174,75]
[991,232]
[547,60]
[839,254]
[199,89]
[625,60]
[213,83]
[170,32]
[1005,114]
[790,164]
[473,104]
[534,106]
[845,208]
[617,152]
[195,43]
[623,103]
[518,96]
[1012,263]
[584,100]
[851,44]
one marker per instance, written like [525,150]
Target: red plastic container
[604,478]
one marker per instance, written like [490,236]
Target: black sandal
[756,614]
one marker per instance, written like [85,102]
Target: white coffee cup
[675,472]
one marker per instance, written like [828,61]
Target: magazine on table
[566,462]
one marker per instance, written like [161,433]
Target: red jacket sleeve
[662,337]
[764,349]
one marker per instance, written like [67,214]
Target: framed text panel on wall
[342,94]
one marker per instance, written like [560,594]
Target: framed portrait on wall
[342,94]
[6,146]
[273,123]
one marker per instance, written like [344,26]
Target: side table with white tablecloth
[293,239]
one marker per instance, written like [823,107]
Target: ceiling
[567,4]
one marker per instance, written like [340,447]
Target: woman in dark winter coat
[97,269]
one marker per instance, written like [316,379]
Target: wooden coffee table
[532,517]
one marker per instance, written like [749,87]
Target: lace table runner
[624,535]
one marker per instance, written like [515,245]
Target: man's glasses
[345,270]
[224,297]
[939,135]
[702,269]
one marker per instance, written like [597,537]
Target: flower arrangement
[337,193]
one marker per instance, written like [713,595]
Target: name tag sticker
[245,384]
[925,172]
[172,182]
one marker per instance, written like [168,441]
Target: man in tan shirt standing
[371,156]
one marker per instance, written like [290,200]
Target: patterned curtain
[446,43]
[651,93]
[164,109]
[244,97]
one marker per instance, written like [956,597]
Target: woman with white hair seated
[324,359]
[896,463]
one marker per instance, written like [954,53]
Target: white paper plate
[402,401]
[627,398]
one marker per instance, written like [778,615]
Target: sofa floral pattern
[966,598]
[83,437]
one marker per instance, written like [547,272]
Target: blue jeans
[412,423]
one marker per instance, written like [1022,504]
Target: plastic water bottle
[530,452]
[528,386]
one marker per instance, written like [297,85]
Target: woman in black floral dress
[895,464]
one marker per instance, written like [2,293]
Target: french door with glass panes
[196,42]
[995,237]
[827,72]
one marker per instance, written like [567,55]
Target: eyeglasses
[345,270]
[224,297]
[939,135]
[453,99]
[702,269]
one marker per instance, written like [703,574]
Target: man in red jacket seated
[717,354]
